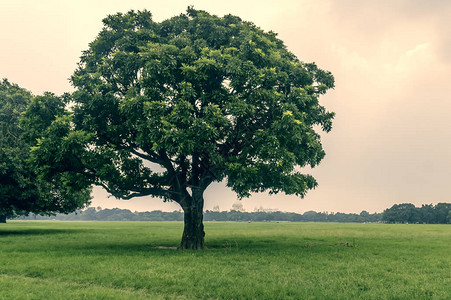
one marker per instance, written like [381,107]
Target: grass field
[135,260]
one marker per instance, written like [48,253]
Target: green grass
[134,260]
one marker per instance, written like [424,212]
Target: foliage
[398,213]
[102,260]
[116,214]
[203,97]
[21,190]
[164,109]
[13,173]
[60,175]
[428,214]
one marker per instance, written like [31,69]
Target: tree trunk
[2,219]
[193,232]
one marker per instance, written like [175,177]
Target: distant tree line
[398,213]
[309,216]
[426,214]
[116,214]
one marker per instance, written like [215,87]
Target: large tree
[22,191]
[165,109]
[13,100]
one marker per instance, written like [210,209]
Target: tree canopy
[21,190]
[166,108]
[427,213]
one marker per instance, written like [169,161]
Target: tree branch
[140,192]
[150,157]
[180,184]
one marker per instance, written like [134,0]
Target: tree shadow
[124,248]
[269,245]
[26,232]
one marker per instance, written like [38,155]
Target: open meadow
[137,260]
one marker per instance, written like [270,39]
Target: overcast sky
[391,139]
